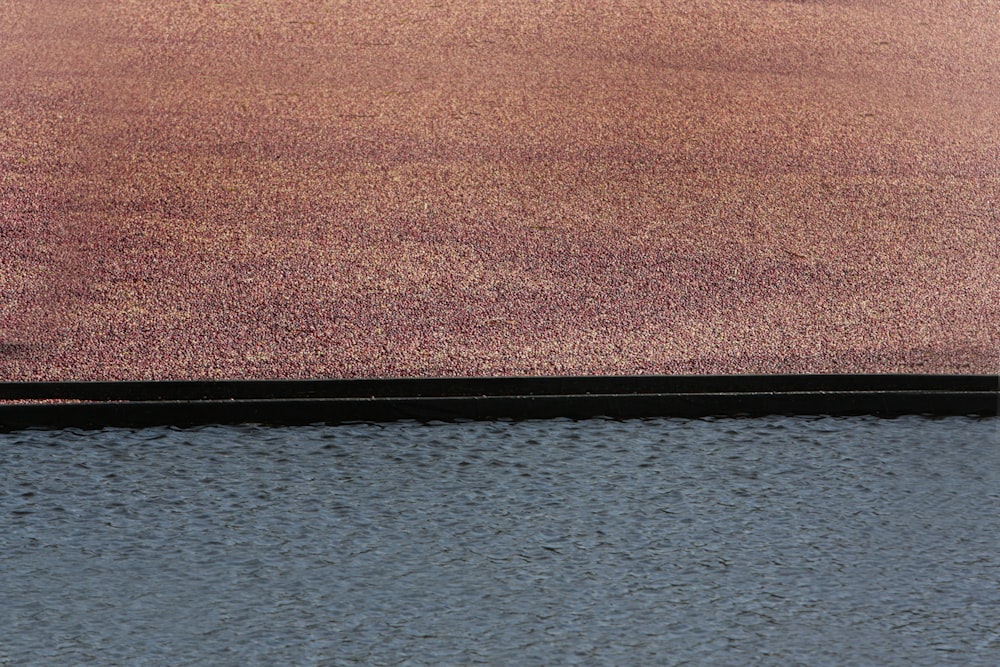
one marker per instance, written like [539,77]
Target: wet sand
[266,189]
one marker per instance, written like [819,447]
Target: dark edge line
[298,411]
[197,390]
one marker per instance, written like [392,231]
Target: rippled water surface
[728,542]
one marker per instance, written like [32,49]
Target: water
[779,541]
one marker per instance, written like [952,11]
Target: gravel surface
[262,188]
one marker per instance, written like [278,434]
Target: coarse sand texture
[264,188]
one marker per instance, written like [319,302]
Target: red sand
[265,188]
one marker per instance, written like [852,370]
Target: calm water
[777,541]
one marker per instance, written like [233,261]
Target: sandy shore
[267,189]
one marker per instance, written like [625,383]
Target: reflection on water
[729,542]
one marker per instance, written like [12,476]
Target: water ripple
[722,541]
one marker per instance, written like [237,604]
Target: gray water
[778,541]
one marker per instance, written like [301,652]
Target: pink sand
[262,188]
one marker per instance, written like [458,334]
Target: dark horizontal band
[188,403]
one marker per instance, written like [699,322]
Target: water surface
[729,542]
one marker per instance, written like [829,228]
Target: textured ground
[263,188]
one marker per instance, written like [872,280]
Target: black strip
[192,390]
[620,397]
